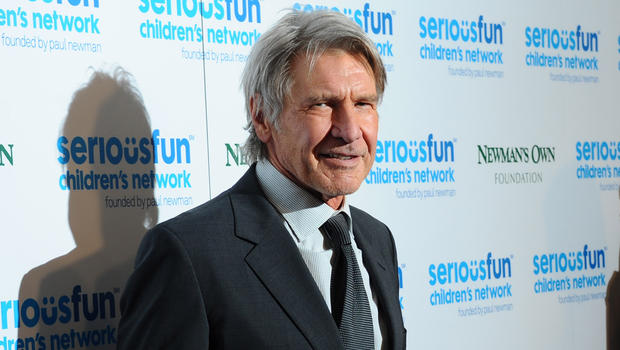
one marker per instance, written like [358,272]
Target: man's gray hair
[267,77]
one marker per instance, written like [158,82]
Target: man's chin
[337,191]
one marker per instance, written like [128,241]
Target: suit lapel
[381,281]
[277,263]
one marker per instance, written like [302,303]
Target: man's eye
[319,105]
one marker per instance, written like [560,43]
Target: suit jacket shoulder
[375,237]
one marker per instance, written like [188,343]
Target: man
[270,263]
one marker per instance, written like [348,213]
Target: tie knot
[337,230]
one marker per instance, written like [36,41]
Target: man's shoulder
[370,228]
[215,209]
[201,226]
[363,218]
[216,214]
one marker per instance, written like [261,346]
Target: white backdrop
[497,169]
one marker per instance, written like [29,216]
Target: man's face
[327,134]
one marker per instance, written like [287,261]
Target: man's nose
[345,123]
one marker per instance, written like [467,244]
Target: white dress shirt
[303,214]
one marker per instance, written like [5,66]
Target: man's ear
[261,125]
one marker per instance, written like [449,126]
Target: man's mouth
[337,156]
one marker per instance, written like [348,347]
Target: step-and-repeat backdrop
[497,166]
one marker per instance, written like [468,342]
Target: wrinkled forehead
[309,59]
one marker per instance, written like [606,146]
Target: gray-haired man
[281,260]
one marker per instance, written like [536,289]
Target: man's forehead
[309,60]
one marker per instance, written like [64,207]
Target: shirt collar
[302,211]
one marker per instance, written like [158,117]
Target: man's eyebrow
[321,98]
[328,97]
[367,97]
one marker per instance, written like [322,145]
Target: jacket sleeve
[162,305]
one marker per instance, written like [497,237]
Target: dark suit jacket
[227,275]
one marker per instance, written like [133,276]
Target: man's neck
[334,202]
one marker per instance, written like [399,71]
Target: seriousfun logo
[569,270]
[124,152]
[457,282]
[239,11]
[599,160]
[535,154]
[6,154]
[426,162]
[413,152]
[444,37]
[373,22]
[567,47]
[56,310]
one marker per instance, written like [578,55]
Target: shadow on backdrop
[612,301]
[73,300]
